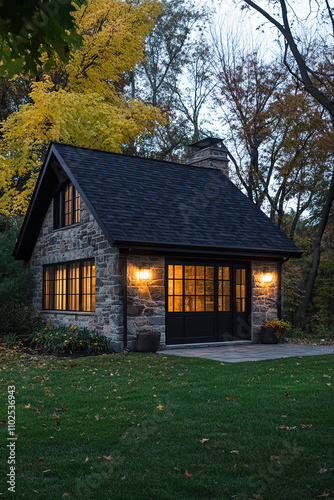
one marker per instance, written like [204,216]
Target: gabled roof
[155,204]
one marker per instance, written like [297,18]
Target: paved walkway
[252,352]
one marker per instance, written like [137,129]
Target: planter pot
[268,335]
[148,342]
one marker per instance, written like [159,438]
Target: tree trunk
[302,309]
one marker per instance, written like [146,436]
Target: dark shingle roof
[158,203]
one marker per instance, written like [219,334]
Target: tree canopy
[31,28]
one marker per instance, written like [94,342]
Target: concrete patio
[251,352]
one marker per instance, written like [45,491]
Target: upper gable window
[66,207]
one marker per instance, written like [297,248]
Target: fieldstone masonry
[146,298]
[266,297]
[81,241]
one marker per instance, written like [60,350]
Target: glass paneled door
[207,302]
[233,302]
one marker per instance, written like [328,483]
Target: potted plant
[148,341]
[273,330]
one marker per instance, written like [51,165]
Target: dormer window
[66,206]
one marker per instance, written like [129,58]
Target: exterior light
[266,277]
[143,273]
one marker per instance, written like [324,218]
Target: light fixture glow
[266,277]
[143,273]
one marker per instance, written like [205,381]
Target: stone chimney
[209,153]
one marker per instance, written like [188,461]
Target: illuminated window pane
[209,303]
[77,207]
[189,287]
[189,272]
[226,273]
[178,307]
[209,272]
[178,274]
[220,303]
[209,287]
[200,303]
[170,304]
[170,272]
[200,287]
[68,205]
[200,272]
[170,287]
[189,303]
[178,287]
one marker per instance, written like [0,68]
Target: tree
[78,103]
[317,80]
[30,29]
[157,81]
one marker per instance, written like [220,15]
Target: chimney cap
[207,142]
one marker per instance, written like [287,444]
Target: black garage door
[207,302]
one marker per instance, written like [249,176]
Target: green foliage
[28,30]
[69,339]
[18,319]
[10,340]
[13,274]
[280,327]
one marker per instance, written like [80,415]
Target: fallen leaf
[325,494]
[176,469]
[306,425]
[2,421]
[229,493]
[160,407]
[204,440]
[125,433]
[235,451]
[257,496]
[65,495]
[86,459]
[274,457]
[55,415]
[322,470]
[287,394]
[108,458]
[36,411]
[187,474]
[27,406]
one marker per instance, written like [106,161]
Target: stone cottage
[124,245]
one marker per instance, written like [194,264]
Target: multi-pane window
[240,289]
[70,286]
[66,207]
[224,289]
[190,288]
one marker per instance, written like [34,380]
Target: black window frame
[59,217]
[50,286]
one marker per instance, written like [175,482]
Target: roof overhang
[190,250]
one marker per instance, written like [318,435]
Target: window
[66,207]
[190,288]
[70,286]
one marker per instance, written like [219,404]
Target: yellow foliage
[86,111]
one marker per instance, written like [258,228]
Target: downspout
[125,301]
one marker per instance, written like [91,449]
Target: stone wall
[81,241]
[146,298]
[267,297]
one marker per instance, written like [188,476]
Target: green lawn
[131,426]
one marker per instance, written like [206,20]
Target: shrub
[18,319]
[13,273]
[69,339]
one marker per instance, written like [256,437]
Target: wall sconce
[143,273]
[266,277]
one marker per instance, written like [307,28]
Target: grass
[130,426]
